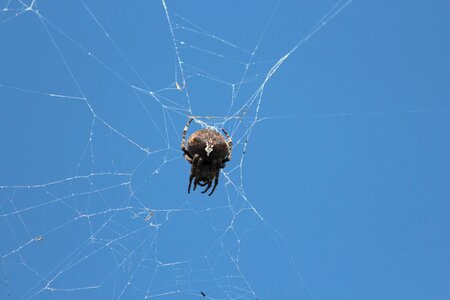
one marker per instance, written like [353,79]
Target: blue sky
[338,185]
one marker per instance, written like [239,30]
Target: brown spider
[207,151]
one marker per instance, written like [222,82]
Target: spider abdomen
[208,144]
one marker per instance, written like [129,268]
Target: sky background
[338,186]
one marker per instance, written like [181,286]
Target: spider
[207,151]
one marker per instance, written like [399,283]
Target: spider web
[93,202]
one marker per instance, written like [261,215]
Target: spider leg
[193,171]
[197,162]
[207,188]
[195,183]
[183,141]
[203,184]
[216,181]
[230,146]
[189,160]
[213,173]
[190,183]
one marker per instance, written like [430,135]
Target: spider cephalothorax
[207,151]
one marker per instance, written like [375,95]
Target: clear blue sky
[338,186]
